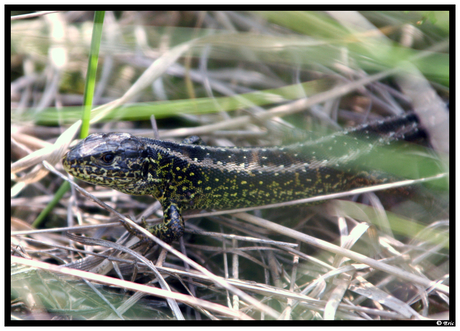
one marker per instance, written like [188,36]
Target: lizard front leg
[172,227]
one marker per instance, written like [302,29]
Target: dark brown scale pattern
[188,176]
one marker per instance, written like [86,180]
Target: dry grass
[234,78]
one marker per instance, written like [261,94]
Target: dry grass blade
[335,299]
[157,68]
[132,286]
[341,251]
[164,285]
[53,154]
[366,289]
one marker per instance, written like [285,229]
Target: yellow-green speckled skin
[189,176]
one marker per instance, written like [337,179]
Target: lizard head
[115,160]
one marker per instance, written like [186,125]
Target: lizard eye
[108,158]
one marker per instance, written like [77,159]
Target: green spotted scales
[191,176]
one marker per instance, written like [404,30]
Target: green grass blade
[88,100]
[91,73]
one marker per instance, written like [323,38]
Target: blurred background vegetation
[234,78]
